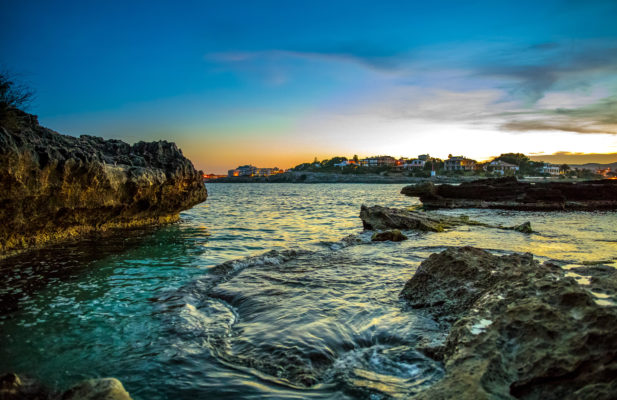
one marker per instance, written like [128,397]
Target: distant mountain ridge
[594,166]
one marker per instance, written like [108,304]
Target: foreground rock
[508,193]
[381,218]
[54,187]
[14,387]
[518,329]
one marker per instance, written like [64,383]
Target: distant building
[551,169]
[251,170]
[604,171]
[379,161]
[345,163]
[459,163]
[415,164]
[502,167]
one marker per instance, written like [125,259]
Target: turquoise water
[316,318]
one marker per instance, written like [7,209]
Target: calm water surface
[171,316]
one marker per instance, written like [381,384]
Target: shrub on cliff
[12,94]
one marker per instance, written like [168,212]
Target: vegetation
[526,166]
[13,95]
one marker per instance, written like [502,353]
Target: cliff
[508,193]
[55,187]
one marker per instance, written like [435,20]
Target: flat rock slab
[383,218]
[509,193]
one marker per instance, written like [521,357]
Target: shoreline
[324,177]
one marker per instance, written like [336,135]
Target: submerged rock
[523,228]
[517,329]
[54,187]
[393,236]
[14,387]
[97,389]
[509,193]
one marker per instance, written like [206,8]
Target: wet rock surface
[509,193]
[15,387]
[517,328]
[393,235]
[382,218]
[55,187]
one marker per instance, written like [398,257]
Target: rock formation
[14,387]
[379,217]
[508,193]
[393,235]
[54,187]
[517,329]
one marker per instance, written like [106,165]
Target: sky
[277,83]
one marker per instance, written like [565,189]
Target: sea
[266,291]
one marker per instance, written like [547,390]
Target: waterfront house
[345,163]
[415,164]
[379,161]
[551,169]
[502,167]
[459,163]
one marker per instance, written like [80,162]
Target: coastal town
[426,166]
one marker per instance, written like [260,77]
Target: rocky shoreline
[55,187]
[516,328]
[511,194]
[325,177]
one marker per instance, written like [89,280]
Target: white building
[550,169]
[412,164]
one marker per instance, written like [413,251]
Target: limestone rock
[54,187]
[97,389]
[382,218]
[393,236]
[509,193]
[517,329]
[378,217]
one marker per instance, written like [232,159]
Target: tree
[355,158]
[13,95]
[564,167]
[514,158]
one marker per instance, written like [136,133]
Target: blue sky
[277,82]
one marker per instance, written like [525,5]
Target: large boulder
[517,328]
[54,187]
[509,193]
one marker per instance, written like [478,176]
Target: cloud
[532,71]
[598,117]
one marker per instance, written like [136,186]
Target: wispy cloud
[539,87]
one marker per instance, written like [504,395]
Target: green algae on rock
[55,187]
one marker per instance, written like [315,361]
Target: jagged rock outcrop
[381,218]
[517,329]
[14,387]
[54,187]
[509,193]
